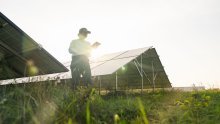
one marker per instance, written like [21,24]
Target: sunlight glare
[96,53]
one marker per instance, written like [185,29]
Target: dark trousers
[80,67]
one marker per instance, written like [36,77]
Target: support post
[100,81]
[24,108]
[116,81]
[153,77]
[142,77]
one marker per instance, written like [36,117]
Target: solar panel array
[107,65]
[17,49]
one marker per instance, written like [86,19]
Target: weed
[46,103]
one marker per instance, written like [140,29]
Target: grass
[39,104]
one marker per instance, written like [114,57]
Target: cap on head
[84,31]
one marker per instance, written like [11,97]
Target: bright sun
[96,53]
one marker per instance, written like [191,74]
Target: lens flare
[32,70]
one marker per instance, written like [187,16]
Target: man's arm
[71,48]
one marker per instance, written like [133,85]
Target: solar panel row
[17,49]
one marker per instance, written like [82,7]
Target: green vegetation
[40,103]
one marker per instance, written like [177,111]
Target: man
[80,50]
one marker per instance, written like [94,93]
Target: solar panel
[112,62]
[127,64]
[110,67]
[107,57]
[133,53]
[18,51]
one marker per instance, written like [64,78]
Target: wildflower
[116,118]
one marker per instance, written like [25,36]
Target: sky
[185,33]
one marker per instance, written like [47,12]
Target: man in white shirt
[80,50]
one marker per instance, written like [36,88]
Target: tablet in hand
[96,44]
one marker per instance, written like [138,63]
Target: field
[45,104]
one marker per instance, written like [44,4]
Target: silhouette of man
[80,50]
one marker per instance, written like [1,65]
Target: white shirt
[80,47]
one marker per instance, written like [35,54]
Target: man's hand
[96,44]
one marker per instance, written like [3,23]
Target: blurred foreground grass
[42,104]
